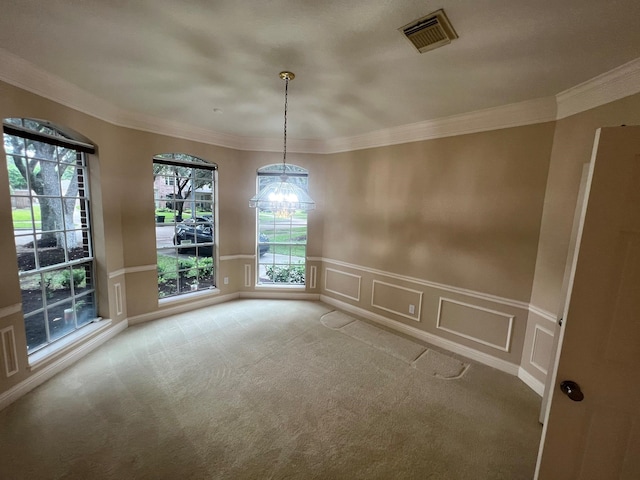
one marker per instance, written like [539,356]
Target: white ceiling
[355,72]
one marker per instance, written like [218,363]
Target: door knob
[572,390]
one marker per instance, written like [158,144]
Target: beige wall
[445,225]
[462,211]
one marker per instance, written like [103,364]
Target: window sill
[280,287]
[39,358]
[188,296]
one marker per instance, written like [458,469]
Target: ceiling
[214,64]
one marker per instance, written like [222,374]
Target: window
[282,240]
[184,197]
[50,207]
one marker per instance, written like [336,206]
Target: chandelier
[283,197]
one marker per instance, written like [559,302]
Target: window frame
[66,306]
[274,273]
[193,270]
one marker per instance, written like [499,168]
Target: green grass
[269,216]
[283,236]
[170,215]
[296,251]
[290,237]
[22,217]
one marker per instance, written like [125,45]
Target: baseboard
[187,306]
[532,382]
[481,357]
[57,366]
[184,305]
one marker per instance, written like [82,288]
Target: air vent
[430,32]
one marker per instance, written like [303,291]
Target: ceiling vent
[430,32]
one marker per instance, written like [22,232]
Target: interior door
[599,436]
[548,386]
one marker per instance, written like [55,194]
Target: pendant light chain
[284,197]
[286,98]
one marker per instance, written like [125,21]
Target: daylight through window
[50,210]
[184,196]
[282,240]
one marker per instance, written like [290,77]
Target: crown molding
[155,125]
[147,123]
[606,88]
[20,73]
[506,116]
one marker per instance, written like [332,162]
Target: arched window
[282,240]
[185,200]
[50,206]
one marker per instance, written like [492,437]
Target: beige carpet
[438,364]
[266,390]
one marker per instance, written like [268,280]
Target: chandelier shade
[283,197]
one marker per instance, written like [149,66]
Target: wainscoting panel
[247,275]
[402,301]
[538,348]
[313,273]
[341,283]
[542,349]
[482,325]
[118,296]
[9,351]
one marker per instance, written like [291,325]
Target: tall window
[282,240]
[50,210]
[184,191]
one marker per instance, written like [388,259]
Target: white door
[599,437]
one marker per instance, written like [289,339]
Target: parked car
[199,230]
[193,231]
[263,246]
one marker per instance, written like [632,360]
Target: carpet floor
[271,389]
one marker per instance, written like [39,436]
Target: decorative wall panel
[481,325]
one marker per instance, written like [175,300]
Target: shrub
[187,267]
[166,269]
[78,277]
[176,273]
[205,266]
[286,274]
